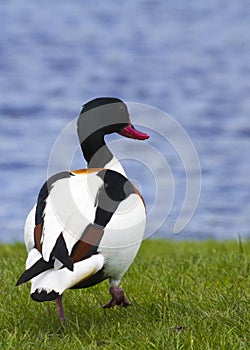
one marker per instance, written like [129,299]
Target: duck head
[105,115]
[99,117]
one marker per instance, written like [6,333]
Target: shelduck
[88,224]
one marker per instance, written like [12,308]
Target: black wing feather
[39,267]
[61,253]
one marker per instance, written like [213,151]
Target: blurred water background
[188,58]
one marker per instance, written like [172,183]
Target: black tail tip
[42,295]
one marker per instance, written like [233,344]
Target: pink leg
[118,298]
[60,308]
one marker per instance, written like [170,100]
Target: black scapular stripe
[44,192]
[114,190]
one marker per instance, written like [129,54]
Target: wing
[71,215]
[65,208]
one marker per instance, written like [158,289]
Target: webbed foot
[118,298]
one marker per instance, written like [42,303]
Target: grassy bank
[186,295]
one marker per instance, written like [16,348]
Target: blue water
[190,59]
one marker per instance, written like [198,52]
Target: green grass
[186,295]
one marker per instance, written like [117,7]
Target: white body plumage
[69,210]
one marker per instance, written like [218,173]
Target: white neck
[115,165]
